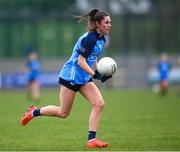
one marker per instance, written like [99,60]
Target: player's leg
[66,97]
[35,90]
[30,86]
[28,94]
[163,87]
[93,95]
[29,90]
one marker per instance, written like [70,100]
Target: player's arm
[87,45]
[95,74]
[83,64]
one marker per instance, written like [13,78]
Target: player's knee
[64,115]
[99,105]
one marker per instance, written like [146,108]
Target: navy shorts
[69,85]
[32,79]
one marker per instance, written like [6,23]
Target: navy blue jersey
[164,68]
[90,46]
[33,66]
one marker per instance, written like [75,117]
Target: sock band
[36,113]
[91,135]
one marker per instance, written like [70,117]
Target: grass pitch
[131,120]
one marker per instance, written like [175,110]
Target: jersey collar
[98,34]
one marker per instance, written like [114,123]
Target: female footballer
[33,68]
[76,75]
[164,68]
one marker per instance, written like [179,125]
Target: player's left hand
[101,77]
[97,75]
[105,78]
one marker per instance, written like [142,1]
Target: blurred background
[141,31]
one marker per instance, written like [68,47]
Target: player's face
[105,25]
[33,56]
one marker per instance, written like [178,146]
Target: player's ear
[97,24]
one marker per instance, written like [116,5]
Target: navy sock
[36,112]
[91,135]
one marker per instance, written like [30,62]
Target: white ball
[107,66]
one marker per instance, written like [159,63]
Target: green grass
[132,120]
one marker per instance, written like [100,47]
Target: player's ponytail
[93,16]
[92,13]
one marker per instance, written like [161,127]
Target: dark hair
[93,16]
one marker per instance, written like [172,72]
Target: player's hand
[97,75]
[101,77]
[105,78]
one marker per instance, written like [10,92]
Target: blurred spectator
[33,67]
[164,67]
[178,90]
